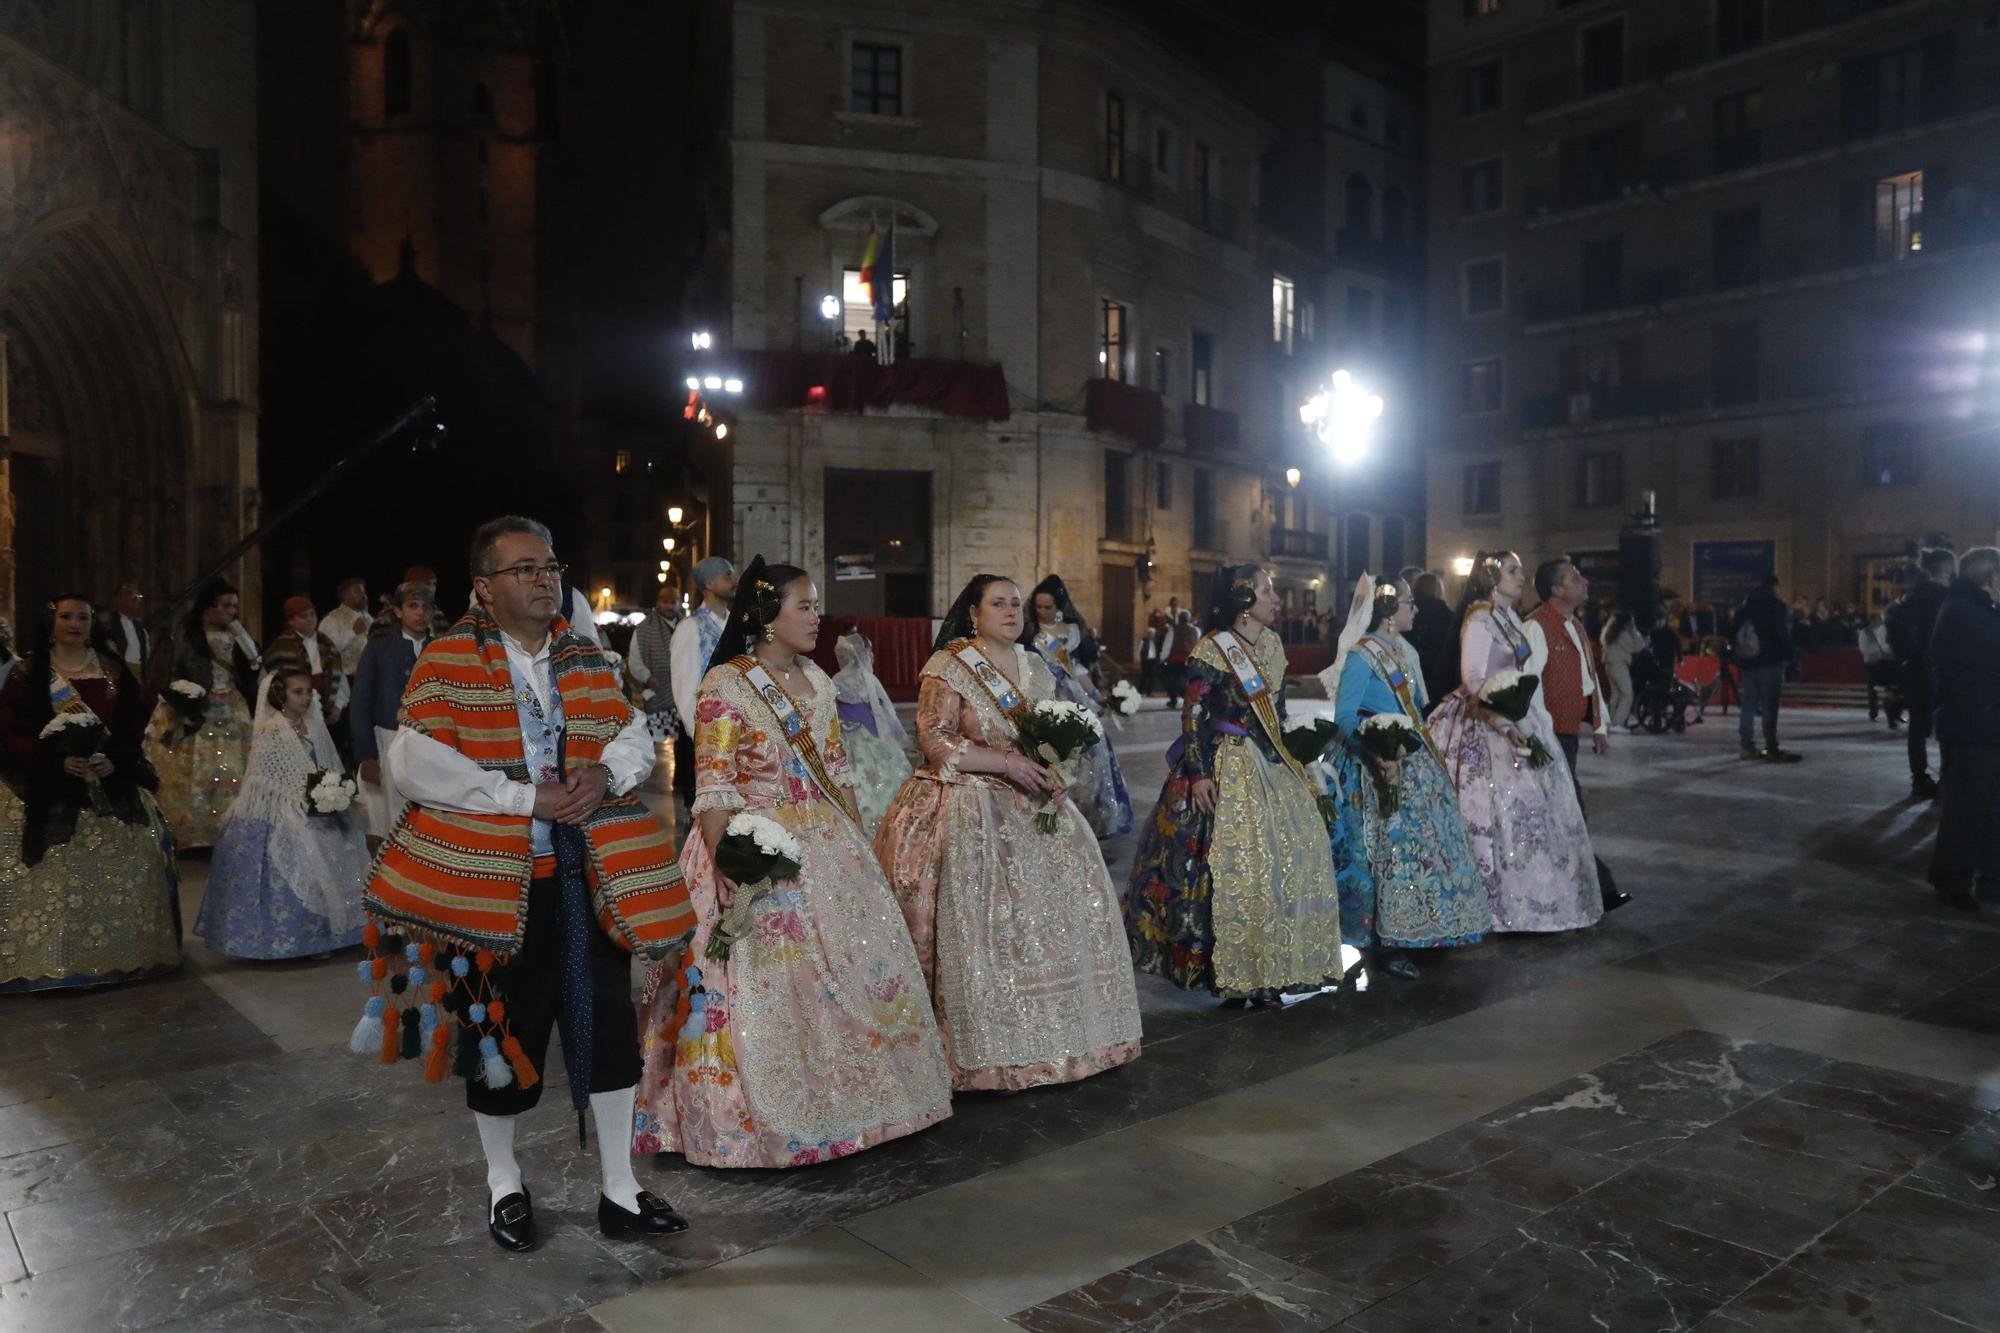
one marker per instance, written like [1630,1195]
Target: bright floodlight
[829,306]
[733,385]
[674,513]
[1341,415]
[703,341]
[722,430]
[1291,476]
[1462,566]
[694,382]
[712,382]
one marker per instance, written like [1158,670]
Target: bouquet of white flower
[329,793]
[189,700]
[1055,733]
[1510,694]
[756,852]
[1388,737]
[1124,698]
[1307,739]
[81,736]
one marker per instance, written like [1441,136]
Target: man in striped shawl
[522,874]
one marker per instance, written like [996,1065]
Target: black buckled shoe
[656,1217]
[512,1224]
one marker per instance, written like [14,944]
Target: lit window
[857,312]
[1113,334]
[621,460]
[1284,297]
[1201,368]
[1899,215]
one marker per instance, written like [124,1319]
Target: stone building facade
[128,292]
[1737,255]
[1074,204]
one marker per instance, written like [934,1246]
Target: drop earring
[770,635]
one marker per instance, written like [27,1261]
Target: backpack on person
[1749,644]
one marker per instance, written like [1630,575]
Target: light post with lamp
[1341,415]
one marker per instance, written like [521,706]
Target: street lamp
[667,545]
[1291,476]
[703,340]
[829,307]
[1341,415]
[1462,566]
[674,513]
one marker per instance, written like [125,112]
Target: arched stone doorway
[100,477]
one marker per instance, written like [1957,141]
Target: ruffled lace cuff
[716,798]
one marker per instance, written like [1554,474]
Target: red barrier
[902,646]
[1307,659]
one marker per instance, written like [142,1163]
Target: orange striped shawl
[463,878]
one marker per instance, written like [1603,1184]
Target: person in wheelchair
[1660,699]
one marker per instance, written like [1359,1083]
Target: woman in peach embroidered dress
[1018,930]
[814,1038]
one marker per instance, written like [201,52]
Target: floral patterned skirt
[199,774]
[1017,932]
[96,910]
[252,909]
[813,1040]
[1240,902]
[1526,828]
[1408,880]
[879,767]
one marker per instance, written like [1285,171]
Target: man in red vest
[1559,652]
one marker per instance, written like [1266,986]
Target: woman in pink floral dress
[1018,930]
[814,1038]
[1527,830]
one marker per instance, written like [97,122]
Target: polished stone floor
[1760,1097]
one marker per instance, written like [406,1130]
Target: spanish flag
[878,272]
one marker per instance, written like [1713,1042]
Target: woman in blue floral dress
[1408,879]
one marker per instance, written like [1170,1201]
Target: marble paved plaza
[1760,1097]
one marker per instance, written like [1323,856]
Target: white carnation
[187,689]
[771,837]
[1499,680]
[62,721]
[1125,697]
[1388,722]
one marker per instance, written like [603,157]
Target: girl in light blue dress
[1408,880]
[285,883]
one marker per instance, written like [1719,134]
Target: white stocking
[612,1113]
[503,1173]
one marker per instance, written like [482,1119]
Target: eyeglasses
[549,573]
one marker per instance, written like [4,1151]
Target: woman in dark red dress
[87,889]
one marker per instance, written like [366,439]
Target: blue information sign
[1725,571]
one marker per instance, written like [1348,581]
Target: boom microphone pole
[430,434]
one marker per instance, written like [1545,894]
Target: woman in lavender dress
[1527,830]
[877,745]
[285,883]
[1057,635]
